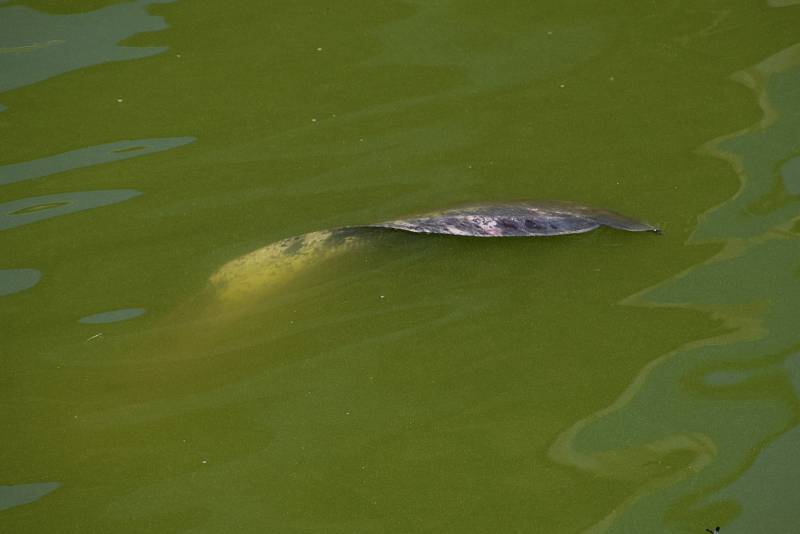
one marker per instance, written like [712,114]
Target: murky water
[605,382]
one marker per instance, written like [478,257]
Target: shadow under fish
[277,263]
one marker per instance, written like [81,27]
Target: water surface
[606,382]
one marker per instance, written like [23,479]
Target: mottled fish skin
[518,220]
[251,276]
[277,263]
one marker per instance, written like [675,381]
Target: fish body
[275,264]
[279,262]
[518,220]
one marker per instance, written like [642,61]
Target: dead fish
[250,275]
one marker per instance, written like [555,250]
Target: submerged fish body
[278,263]
[518,220]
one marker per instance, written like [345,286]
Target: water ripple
[34,209]
[86,157]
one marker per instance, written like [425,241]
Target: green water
[606,382]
